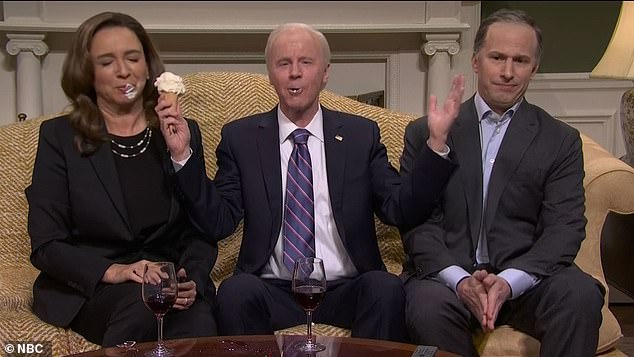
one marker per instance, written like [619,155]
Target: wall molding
[40,26]
[259,57]
[243,17]
[601,123]
[575,81]
[588,104]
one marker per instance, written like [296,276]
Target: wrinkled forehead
[299,42]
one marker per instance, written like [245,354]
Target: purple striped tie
[299,210]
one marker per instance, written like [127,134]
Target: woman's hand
[186,291]
[120,273]
[173,126]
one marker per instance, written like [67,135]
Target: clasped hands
[484,294]
[120,273]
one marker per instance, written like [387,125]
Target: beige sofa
[215,98]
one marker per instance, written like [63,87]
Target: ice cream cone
[171,98]
[170,86]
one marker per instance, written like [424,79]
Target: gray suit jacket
[534,219]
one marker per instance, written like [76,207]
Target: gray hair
[321,39]
[512,17]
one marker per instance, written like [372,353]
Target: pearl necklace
[134,150]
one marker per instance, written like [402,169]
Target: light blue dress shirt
[492,130]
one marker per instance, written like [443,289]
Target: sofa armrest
[609,186]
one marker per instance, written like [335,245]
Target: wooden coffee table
[269,346]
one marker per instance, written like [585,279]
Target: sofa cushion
[25,326]
[78,344]
[17,288]
[506,341]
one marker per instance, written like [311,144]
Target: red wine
[161,303]
[308,297]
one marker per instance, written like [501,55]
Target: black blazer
[78,226]
[535,210]
[361,183]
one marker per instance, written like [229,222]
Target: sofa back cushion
[18,145]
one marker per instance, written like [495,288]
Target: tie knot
[300,136]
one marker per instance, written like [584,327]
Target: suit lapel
[335,164]
[103,164]
[465,139]
[268,142]
[519,135]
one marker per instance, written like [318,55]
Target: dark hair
[78,79]
[508,16]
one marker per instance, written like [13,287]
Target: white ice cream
[130,91]
[168,82]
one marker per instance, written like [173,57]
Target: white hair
[321,39]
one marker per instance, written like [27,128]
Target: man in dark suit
[500,247]
[351,181]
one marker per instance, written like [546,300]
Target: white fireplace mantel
[231,17]
[39,26]
[398,34]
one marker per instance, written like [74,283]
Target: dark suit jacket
[361,182]
[78,226]
[535,211]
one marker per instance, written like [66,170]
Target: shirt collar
[315,127]
[483,109]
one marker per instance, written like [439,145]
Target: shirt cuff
[519,281]
[452,275]
[179,164]
[444,154]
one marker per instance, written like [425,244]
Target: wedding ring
[186,300]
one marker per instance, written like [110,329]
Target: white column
[28,72]
[438,47]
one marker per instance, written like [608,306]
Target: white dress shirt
[328,244]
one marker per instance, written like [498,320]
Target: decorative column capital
[26,43]
[441,43]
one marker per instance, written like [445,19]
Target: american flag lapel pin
[339,137]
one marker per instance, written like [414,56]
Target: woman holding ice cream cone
[102,203]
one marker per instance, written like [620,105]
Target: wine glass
[309,287]
[160,290]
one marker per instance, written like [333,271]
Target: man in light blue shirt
[500,247]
